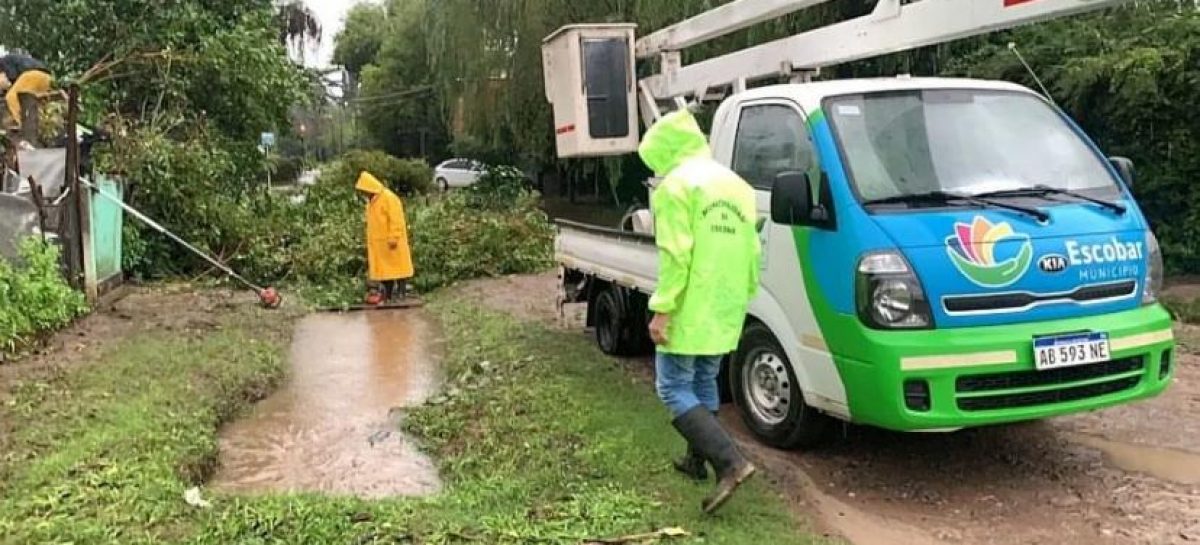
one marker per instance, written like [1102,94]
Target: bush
[404,176]
[208,190]
[34,297]
[453,239]
[499,187]
[205,190]
[286,169]
[456,237]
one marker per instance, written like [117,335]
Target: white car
[457,173]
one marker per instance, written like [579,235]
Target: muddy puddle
[1166,464]
[333,426]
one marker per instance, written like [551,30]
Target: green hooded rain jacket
[705,220]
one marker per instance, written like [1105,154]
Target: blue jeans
[683,382]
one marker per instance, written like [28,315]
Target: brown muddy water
[1166,464]
[333,426]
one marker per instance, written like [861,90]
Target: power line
[389,96]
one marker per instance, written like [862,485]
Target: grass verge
[541,439]
[101,452]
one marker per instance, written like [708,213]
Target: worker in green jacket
[705,221]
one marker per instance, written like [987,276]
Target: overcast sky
[332,14]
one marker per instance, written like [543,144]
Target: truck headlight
[1154,269]
[889,295]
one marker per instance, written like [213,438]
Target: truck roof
[810,95]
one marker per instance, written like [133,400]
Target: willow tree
[299,27]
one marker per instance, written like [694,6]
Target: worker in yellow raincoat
[389,261]
[22,75]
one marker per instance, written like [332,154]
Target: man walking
[705,218]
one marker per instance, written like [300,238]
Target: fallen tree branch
[665,533]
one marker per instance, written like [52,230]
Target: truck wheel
[767,394]
[611,324]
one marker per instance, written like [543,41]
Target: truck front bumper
[954,378]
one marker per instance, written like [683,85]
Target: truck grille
[1005,383]
[1001,302]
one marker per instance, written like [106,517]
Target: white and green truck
[938,253]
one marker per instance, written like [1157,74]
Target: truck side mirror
[791,199]
[1125,168]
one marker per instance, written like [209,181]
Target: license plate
[1070,350]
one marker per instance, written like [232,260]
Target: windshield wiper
[946,196]
[1043,190]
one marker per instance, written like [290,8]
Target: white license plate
[1070,350]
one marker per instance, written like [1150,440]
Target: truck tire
[612,321]
[768,396]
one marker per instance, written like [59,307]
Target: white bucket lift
[591,81]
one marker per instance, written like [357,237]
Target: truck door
[771,138]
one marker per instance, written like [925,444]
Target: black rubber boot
[702,431]
[692,465]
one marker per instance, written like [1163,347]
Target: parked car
[455,173]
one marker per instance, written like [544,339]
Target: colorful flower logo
[975,249]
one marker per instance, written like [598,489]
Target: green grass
[548,442]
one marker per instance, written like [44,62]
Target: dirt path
[177,308]
[1125,475]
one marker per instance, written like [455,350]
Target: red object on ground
[270,298]
[374,298]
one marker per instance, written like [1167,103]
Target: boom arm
[891,28]
[718,22]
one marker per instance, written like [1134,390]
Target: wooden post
[36,195]
[83,213]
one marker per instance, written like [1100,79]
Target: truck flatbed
[625,258]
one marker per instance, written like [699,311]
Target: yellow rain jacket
[388,256]
[705,220]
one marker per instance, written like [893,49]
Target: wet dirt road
[1127,475]
[332,426]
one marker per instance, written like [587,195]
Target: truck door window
[771,139]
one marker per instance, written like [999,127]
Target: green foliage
[34,296]
[188,88]
[205,188]
[499,187]
[217,59]
[469,147]
[495,229]
[103,452]
[397,110]
[404,176]
[359,41]
[317,244]
[454,238]
[286,169]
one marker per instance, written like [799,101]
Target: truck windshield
[963,142]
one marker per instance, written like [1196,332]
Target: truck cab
[938,254]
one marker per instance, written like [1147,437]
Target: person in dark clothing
[22,75]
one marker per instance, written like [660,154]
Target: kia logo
[1053,263]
